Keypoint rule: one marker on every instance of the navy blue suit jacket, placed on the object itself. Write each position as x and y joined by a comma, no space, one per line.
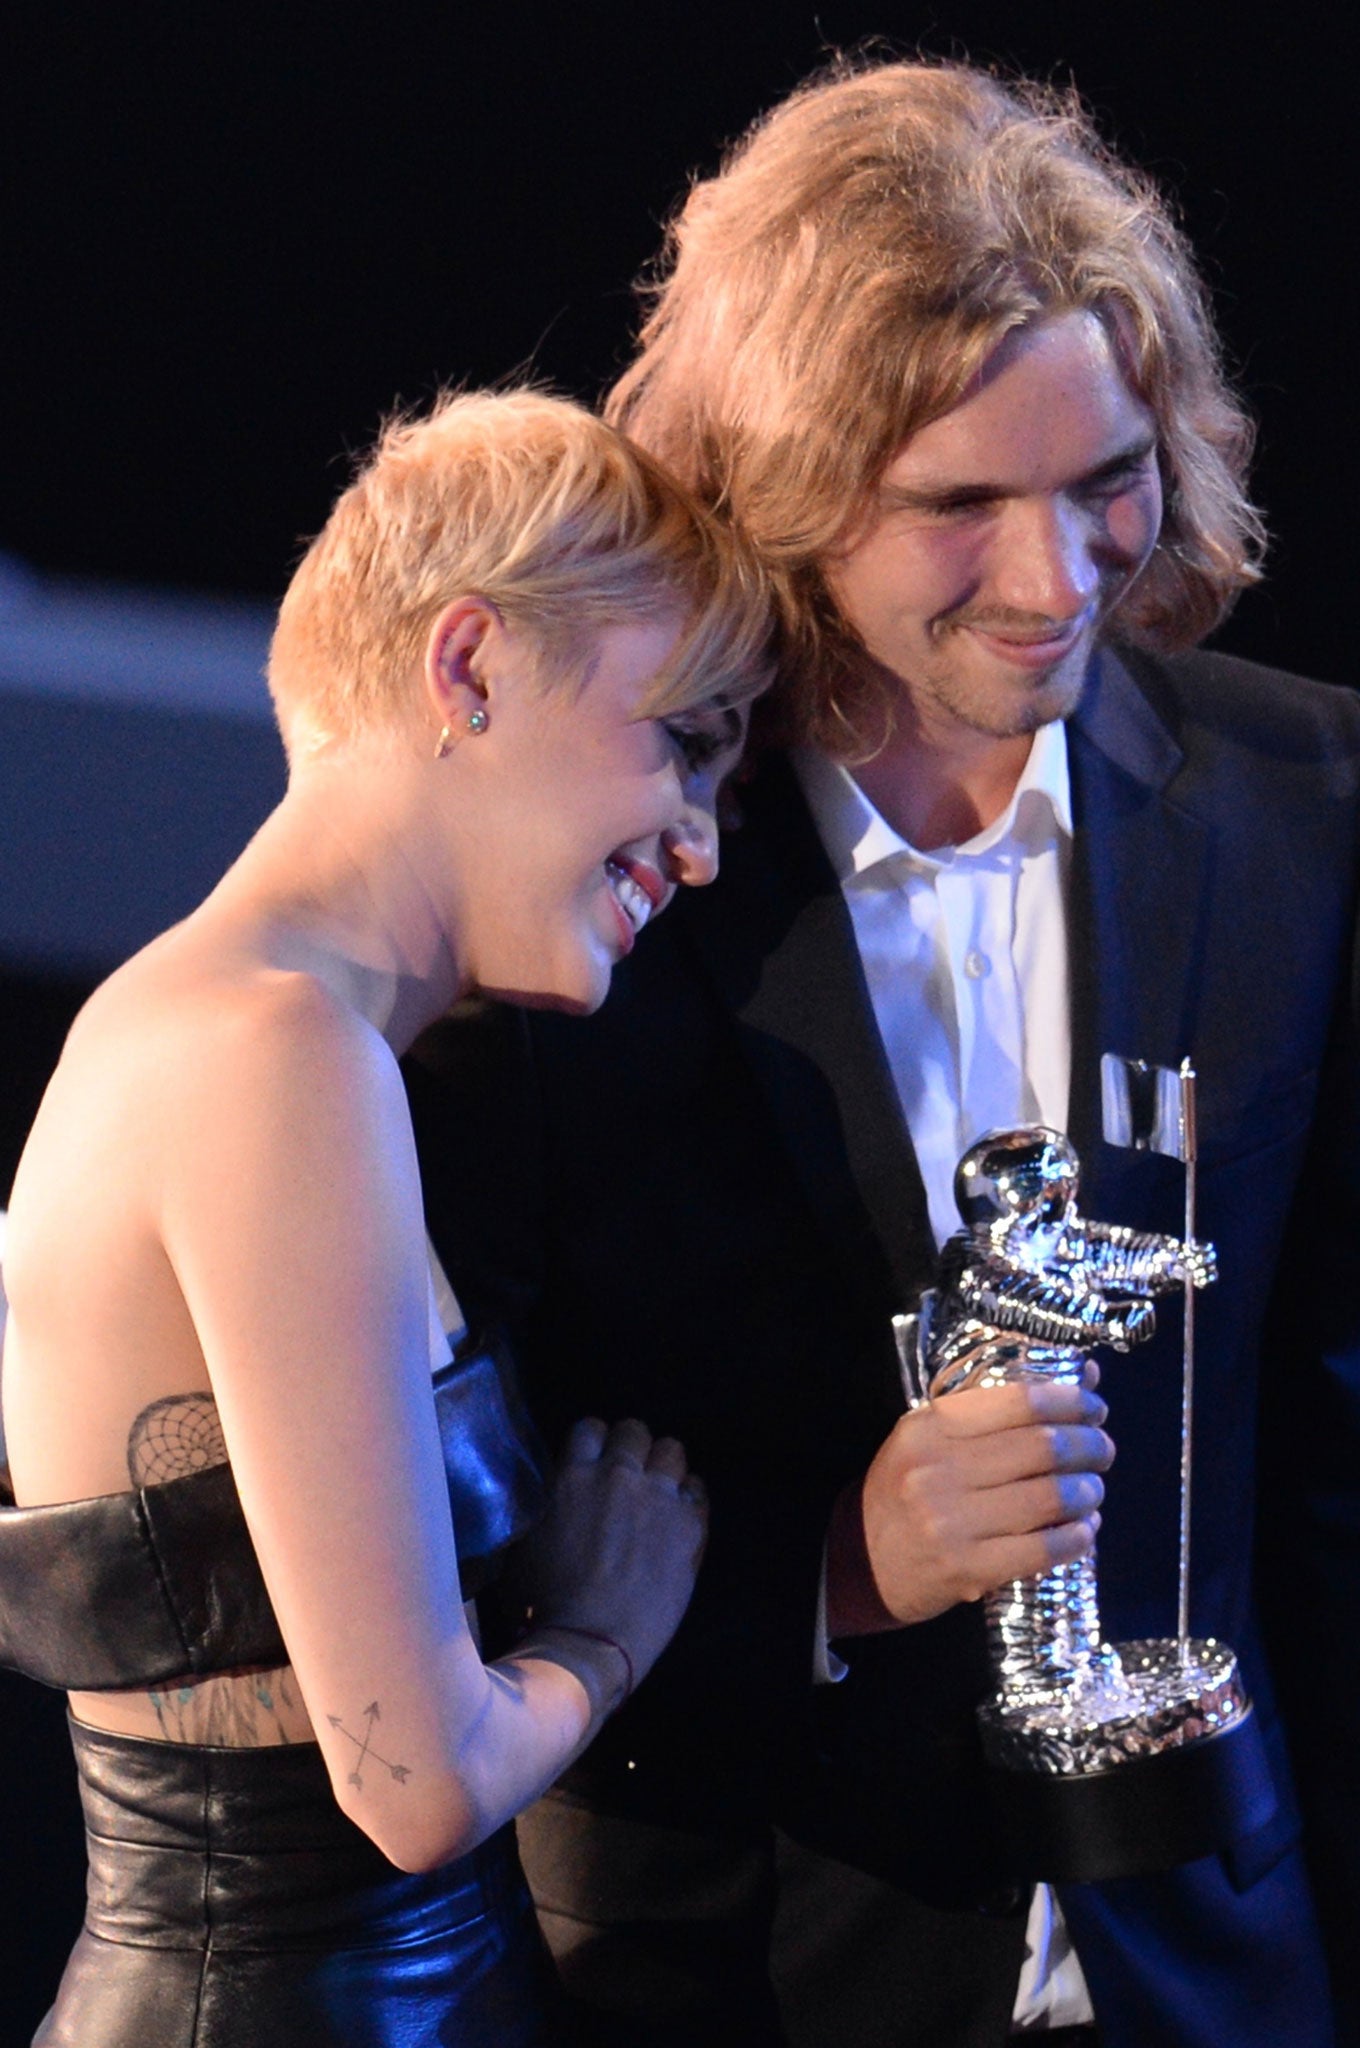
702,1206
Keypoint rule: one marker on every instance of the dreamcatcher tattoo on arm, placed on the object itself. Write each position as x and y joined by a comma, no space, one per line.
174,1437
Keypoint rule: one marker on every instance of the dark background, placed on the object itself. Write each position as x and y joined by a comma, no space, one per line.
231,237
234,235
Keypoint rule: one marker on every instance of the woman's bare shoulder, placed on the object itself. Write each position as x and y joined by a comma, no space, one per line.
191,1071
223,1160
189,1015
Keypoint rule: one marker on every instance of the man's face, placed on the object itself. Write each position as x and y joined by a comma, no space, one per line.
1004,533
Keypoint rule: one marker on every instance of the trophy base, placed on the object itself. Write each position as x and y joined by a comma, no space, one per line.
1120,1780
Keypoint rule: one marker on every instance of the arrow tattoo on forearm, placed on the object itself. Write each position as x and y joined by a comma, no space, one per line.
364,1745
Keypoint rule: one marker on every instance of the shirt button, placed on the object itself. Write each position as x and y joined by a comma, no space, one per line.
976,965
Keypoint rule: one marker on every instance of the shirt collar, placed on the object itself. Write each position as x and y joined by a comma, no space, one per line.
857,837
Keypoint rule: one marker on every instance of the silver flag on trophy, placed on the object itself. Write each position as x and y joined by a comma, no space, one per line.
1146,1108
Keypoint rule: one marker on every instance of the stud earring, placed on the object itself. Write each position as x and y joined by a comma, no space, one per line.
478,720
443,746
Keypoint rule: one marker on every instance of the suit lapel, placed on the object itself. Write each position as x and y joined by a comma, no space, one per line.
776,938
1138,889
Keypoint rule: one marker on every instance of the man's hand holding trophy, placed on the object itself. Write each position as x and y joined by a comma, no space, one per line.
1107,1760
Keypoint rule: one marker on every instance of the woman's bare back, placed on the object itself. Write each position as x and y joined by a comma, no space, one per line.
102,1332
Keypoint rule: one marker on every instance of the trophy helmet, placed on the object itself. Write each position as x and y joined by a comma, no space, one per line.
1030,1173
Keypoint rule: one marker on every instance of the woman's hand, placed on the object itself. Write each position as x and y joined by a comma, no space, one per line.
619,1548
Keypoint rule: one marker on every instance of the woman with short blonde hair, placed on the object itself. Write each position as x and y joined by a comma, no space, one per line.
511,673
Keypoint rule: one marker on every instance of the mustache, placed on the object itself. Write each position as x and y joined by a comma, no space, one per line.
1015,624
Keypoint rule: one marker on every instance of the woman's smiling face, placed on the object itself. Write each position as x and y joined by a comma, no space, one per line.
592,814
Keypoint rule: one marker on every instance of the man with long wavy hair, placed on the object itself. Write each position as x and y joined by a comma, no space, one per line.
948,364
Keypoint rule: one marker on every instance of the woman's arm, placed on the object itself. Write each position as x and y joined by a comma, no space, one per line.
292,1218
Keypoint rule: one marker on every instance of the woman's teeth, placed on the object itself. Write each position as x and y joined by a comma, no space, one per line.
633,899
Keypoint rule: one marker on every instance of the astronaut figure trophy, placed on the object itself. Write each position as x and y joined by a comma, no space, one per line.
1106,1761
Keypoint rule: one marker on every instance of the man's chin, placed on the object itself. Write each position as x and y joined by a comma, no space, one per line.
997,706
1044,701
1050,708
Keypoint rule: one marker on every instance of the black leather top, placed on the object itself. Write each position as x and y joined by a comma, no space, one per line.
138,1588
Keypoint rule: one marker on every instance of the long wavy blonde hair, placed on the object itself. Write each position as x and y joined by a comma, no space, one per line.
841,280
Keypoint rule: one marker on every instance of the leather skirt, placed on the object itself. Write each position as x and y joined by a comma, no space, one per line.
233,1905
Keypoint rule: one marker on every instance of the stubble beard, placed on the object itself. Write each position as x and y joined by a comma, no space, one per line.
999,709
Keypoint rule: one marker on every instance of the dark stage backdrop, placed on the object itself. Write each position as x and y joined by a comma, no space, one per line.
233,235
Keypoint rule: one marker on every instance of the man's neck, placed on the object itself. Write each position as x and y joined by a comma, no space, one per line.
934,796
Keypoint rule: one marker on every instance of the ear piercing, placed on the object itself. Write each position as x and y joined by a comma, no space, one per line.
478,721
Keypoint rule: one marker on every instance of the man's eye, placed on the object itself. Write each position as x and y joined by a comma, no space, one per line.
1112,486
965,506
1112,483
940,506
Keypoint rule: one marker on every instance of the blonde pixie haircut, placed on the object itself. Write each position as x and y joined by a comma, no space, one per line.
839,283
531,503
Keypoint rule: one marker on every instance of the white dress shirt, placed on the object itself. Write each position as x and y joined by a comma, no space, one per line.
964,951
965,954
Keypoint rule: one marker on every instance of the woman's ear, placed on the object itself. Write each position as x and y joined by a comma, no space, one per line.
454,685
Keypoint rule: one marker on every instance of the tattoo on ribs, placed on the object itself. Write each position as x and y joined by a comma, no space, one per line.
234,1710
174,1437
364,1744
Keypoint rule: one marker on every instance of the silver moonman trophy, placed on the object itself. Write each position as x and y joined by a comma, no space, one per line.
1106,1760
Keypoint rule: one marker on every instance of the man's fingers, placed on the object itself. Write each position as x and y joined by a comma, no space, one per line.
1033,1504
1079,1448
989,1411
1004,1558
1027,1453
999,1458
